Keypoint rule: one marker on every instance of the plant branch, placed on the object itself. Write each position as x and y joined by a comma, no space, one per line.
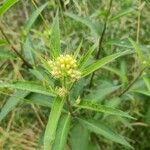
101,40
14,49
132,82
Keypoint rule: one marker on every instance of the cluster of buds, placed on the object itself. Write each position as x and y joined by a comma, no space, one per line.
65,66
61,91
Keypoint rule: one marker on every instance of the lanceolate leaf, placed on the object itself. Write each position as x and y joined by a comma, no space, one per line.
28,86
101,108
33,17
12,102
86,56
52,124
6,5
102,129
55,37
100,63
79,137
62,132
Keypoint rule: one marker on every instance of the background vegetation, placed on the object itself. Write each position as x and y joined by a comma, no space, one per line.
111,26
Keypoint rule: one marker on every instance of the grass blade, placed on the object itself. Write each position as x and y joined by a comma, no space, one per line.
7,4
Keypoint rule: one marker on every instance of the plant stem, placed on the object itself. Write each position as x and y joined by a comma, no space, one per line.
132,82
101,41
14,49
70,107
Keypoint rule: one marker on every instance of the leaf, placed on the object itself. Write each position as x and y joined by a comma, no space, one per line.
33,18
85,57
52,124
6,55
137,49
93,26
39,99
55,37
62,132
27,86
77,51
28,51
79,137
102,108
102,129
12,102
121,14
147,82
3,42
6,5
100,63
101,92
141,91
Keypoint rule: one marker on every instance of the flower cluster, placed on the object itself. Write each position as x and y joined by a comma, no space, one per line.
65,66
61,91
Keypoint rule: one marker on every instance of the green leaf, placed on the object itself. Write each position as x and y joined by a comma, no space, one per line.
102,129
147,82
52,124
121,14
3,42
137,49
100,63
12,102
33,18
102,108
79,137
85,57
39,99
28,51
93,26
6,55
55,37
27,86
62,132
141,91
6,5
101,92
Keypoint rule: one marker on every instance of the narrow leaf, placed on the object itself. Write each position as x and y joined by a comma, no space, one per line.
6,55
79,137
28,86
33,18
100,63
101,108
84,58
102,129
62,132
6,5
12,102
121,14
55,37
93,26
52,124
137,49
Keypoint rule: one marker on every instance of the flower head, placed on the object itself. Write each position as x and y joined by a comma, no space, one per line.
65,66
